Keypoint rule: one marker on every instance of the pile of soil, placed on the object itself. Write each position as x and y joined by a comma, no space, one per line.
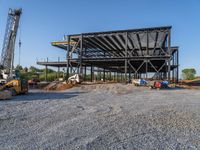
64,86
195,82
190,84
51,86
57,86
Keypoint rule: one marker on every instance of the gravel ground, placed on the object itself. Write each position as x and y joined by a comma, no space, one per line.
112,116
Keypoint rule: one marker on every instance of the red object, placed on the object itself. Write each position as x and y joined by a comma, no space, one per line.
157,85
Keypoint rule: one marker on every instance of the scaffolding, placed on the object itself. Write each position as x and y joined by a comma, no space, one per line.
136,53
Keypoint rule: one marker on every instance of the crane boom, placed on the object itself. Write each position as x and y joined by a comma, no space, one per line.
7,54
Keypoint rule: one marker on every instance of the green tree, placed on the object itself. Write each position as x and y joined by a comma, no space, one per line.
19,67
33,69
25,69
188,73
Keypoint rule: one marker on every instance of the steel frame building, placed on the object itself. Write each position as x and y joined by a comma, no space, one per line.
135,53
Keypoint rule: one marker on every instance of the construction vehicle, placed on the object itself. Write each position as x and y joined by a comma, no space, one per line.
139,82
77,78
16,86
160,85
9,80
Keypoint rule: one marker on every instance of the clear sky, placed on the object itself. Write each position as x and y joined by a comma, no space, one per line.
44,21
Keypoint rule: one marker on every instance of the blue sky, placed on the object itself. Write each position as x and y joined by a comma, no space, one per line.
44,21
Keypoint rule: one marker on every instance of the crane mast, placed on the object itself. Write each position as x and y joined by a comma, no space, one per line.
7,54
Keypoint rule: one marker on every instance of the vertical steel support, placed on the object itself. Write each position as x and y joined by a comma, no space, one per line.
169,67
85,73
104,76
46,72
81,54
117,77
147,48
169,42
173,71
91,74
58,72
126,47
146,69
68,51
169,52
129,75
177,59
71,68
100,75
165,73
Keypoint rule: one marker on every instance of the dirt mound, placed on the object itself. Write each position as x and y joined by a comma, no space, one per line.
63,86
190,84
51,86
58,86
195,82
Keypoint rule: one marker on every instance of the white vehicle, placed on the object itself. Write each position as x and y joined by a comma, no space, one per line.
139,82
77,78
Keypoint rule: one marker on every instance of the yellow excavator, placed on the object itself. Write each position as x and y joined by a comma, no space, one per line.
9,80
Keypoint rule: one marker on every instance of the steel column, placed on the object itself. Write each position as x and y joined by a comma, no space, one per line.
126,47
81,54
85,73
146,69
58,72
68,51
104,76
147,48
177,74
46,72
91,74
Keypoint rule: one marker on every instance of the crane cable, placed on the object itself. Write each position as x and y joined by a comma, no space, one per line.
20,43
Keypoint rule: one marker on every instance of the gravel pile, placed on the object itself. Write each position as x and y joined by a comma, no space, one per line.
102,117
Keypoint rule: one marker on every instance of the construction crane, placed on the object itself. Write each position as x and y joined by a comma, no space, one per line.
8,80
7,55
